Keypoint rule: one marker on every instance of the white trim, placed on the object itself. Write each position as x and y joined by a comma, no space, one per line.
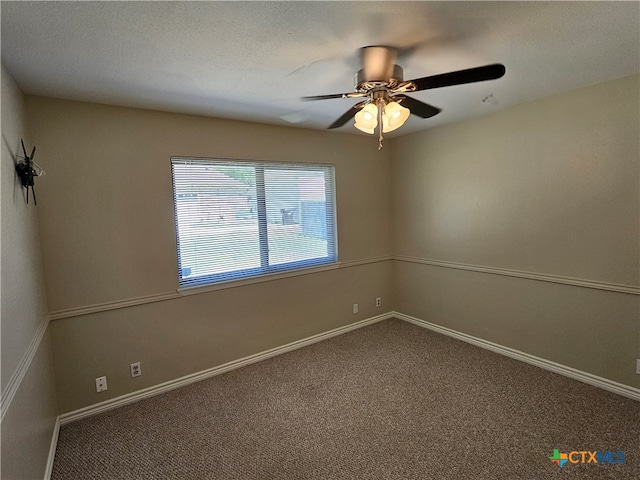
103,307
130,302
211,372
22,368
198,289
161,297
603,383
366,261
52,449
195,290
543,277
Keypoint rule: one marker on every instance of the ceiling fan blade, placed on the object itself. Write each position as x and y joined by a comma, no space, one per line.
348,115
336,95
325,97
471,75
421,109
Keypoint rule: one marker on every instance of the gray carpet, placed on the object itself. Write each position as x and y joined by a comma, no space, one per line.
388,401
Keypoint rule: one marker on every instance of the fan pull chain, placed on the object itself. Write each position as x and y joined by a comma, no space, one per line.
380,108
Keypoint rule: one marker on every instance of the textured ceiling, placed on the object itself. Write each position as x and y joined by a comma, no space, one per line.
254,60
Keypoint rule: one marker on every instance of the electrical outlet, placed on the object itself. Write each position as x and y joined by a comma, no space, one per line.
355,308
379,302
638,366
101,384
136,371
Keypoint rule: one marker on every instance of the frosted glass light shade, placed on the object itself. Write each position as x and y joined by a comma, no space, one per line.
367,118
394,116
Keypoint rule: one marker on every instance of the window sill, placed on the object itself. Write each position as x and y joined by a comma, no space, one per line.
195,290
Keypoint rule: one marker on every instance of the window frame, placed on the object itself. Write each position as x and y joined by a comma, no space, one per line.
265,271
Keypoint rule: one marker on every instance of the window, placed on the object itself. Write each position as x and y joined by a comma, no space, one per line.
243,219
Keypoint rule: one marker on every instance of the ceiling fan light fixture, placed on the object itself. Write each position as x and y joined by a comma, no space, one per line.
366,119
394,116
382,82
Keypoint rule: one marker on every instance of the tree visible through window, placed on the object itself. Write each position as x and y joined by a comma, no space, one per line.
242,219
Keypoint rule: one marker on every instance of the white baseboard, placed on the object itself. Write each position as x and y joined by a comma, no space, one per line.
211,372
605,384
584,377
52,449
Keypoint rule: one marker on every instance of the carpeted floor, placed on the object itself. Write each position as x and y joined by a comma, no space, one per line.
388,401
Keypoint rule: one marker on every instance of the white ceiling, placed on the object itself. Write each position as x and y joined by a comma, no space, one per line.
254,60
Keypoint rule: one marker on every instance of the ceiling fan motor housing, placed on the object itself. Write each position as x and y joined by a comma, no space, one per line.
365,81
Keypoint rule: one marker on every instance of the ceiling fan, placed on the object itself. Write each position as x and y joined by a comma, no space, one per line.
380,81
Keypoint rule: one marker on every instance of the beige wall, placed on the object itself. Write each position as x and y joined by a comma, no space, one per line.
27,424
106,213
184,336
550,187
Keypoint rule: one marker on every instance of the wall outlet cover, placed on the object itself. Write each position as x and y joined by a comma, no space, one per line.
136,371
101,384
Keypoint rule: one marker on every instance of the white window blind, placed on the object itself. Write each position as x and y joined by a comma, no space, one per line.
243,219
